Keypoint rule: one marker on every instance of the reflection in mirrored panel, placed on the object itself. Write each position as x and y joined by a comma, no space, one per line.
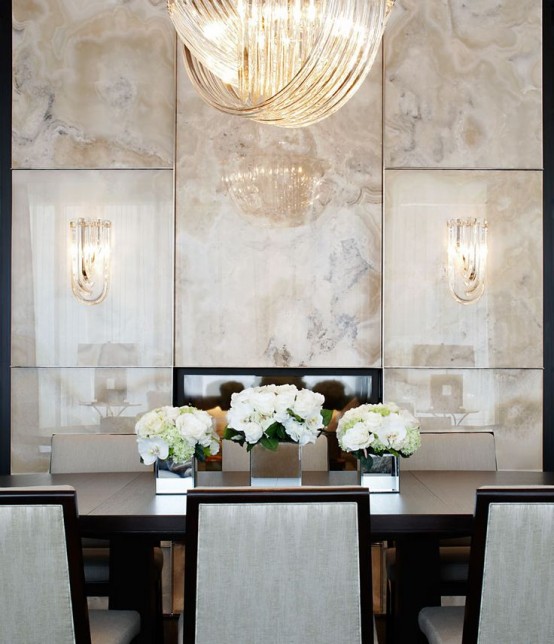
50,328
78,400
505,401
501,328
212,390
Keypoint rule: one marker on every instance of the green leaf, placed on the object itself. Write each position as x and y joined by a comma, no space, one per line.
295,416
277,431
200,452
326,414
232,434
269,443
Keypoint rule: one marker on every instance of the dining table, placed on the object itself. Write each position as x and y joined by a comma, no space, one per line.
430,505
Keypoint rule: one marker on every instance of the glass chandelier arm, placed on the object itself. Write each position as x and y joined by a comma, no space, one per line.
299,60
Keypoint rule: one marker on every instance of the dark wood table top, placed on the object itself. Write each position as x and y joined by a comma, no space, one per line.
429,502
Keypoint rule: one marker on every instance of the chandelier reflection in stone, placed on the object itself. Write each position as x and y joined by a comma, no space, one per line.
90,259
284,62
467,258
277,190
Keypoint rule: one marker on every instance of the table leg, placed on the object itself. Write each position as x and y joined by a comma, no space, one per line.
417,585
135,584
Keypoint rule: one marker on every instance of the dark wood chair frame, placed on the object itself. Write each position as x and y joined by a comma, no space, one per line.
357,495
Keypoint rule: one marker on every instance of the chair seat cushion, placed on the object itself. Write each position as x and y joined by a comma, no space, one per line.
113,626
442,624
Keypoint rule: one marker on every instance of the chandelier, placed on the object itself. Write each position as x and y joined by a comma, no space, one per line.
467,258
284,62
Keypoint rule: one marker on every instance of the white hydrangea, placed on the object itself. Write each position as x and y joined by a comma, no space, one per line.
256,409
377,429
176,433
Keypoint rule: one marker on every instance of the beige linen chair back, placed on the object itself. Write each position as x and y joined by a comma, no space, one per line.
75,453
451,450
286,565
235,458
511,575
42,591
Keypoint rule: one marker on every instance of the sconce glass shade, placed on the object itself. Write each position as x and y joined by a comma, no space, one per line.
278,190
467,259
284,62
90,259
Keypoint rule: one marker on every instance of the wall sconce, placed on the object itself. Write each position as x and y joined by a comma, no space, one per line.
90,259
467,258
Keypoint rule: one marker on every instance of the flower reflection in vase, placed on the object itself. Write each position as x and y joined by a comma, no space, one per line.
273,422
377,435
174,439
174,478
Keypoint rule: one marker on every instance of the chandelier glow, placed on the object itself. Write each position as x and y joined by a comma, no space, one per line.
277,190
285,62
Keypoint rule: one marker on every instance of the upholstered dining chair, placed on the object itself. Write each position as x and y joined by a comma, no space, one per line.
94,453
446,450
281,565
511,575
84,453
42,596
78,453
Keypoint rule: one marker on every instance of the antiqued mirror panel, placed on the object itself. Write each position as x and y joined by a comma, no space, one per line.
103,400
133,325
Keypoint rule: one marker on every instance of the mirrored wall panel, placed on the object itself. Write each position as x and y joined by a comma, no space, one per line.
102,400
505,401
53,322
425,324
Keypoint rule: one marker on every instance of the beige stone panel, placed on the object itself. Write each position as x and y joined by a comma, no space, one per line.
463,84
133,326
49,401
424,326
266,289
93,84
507,402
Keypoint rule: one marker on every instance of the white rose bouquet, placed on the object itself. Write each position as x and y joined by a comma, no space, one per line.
276,413
176,434
376,429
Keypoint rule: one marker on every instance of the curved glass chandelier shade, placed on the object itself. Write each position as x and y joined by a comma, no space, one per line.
277,190
90,259
467,259
284,62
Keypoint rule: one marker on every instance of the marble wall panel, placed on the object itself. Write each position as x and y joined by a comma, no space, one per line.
423,324
134,324
49,401
269,290
506,401
463,84
93,84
